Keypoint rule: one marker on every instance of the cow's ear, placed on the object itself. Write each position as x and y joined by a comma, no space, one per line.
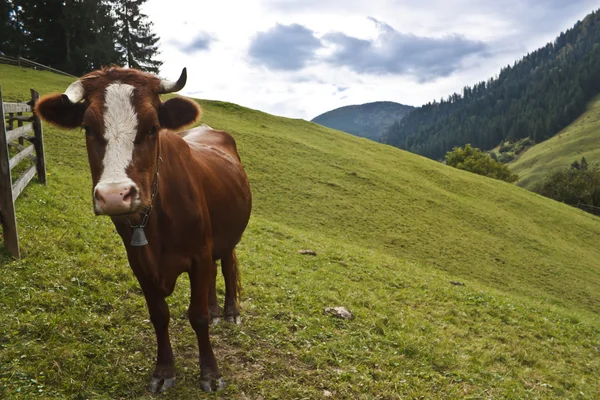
58,110
178,112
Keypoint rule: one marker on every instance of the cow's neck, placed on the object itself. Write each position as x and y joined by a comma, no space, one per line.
172,181
139,238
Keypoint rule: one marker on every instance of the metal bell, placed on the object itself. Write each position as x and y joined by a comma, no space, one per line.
139,237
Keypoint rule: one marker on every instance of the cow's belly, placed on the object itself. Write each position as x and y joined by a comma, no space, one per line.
228,197
228,226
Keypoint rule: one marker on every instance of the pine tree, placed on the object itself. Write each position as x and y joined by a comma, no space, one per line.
13,35
135,39
75,36
5,25
48,38
94,44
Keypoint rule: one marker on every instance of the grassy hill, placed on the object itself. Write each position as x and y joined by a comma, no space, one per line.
391,230
368,120
580,139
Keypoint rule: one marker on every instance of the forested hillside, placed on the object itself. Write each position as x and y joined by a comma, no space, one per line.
536,97
579,139
78,36
368,120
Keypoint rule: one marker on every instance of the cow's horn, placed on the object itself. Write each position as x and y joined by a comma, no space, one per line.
167,86
75,92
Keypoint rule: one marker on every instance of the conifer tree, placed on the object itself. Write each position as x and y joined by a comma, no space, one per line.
96,41
13,36
5,25
75,36
135,39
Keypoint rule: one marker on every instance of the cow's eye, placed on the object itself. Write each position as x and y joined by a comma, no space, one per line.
153,131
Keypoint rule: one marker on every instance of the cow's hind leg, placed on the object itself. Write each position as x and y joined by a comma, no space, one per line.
163,376
231,273
213,303
198,314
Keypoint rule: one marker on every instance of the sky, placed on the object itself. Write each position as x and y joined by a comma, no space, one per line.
300,58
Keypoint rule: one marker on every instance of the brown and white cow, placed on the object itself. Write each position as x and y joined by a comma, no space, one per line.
184,194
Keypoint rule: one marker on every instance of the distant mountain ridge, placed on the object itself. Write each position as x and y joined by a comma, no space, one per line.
368,120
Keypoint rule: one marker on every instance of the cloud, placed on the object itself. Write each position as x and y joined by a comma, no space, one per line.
284,47
311,5
398,53
509,29
201,42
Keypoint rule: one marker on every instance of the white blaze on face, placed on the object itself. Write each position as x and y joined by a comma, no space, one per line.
120,124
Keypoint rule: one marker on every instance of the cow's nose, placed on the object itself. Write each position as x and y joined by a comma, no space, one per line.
114,198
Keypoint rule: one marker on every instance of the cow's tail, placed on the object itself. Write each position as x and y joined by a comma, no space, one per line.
235,271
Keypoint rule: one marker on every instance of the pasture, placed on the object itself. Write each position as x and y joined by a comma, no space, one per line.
391,230
580,139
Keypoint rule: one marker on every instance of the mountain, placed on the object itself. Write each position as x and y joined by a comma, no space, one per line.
460,285
368,120
579,139
536,97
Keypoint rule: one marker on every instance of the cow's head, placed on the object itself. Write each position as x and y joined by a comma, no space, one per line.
122,116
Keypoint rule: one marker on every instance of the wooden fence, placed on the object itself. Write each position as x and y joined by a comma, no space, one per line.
590,209
23,62
16,138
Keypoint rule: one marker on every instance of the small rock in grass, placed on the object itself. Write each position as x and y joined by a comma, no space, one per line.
308,252
340,312
455,283
327,393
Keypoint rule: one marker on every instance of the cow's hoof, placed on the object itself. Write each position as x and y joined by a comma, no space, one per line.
161,385
234,319
212,385
215,314
215,321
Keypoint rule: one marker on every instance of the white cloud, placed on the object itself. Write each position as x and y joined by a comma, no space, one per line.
224,69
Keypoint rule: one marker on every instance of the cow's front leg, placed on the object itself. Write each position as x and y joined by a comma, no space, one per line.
163,377
200,281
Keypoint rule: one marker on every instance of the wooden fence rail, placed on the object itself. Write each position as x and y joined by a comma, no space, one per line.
591,209
9,192
23,62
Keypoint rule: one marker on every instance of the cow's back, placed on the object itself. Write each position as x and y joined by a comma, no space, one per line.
204,135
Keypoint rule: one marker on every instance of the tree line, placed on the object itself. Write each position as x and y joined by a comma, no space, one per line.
574,185
471,159
536,97
78,36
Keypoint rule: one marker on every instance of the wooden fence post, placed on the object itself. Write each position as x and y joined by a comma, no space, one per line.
39,139
7,205
20,123
10,123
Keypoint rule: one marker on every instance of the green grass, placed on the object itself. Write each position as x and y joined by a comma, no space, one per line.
391,230
580,139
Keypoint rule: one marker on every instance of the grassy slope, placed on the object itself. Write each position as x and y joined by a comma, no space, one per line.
73,321
580,139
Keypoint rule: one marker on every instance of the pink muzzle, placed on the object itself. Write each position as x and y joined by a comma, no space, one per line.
115,198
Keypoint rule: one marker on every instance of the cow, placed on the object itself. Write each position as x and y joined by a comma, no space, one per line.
179,200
